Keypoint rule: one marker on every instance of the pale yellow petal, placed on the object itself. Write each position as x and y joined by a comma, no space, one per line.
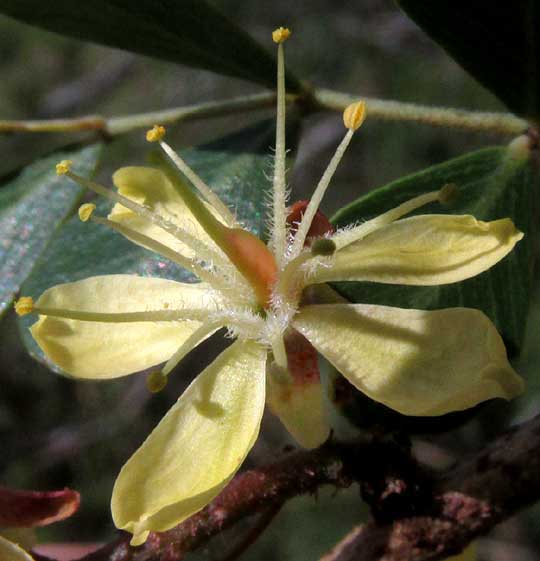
424,250
12,552
416,362
301,409
150,187
87,349
196,448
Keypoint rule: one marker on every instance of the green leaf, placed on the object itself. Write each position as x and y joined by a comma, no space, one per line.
497,42
31,207
236,169
492,183
191,32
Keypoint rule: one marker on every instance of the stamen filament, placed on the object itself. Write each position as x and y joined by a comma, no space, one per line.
279,352
193,243
279,222
123,317
346,237
200,185
290,281
161,249
195,339
307,218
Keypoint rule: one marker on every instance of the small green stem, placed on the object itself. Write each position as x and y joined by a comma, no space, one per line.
497,123
120,125
55,125
504,124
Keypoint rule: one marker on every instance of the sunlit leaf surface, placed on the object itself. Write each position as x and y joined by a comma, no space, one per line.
31,207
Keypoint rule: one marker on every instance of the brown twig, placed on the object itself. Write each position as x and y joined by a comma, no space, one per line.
418,517
467,501
255,491
253,533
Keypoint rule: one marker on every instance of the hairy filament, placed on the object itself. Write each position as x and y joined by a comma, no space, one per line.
200,185
206,275
290,283
123,317
185,237
343,238
195,339
279,352
307,218
279,221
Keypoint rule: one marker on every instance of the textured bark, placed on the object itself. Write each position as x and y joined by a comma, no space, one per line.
467,501
418,516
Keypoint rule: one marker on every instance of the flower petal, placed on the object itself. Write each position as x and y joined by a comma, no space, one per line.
297,397
12,552
25,509
196,448
301,409
93,349
416,362
150,187
424,250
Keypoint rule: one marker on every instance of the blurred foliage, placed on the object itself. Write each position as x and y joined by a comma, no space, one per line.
192,32
58,432
486,37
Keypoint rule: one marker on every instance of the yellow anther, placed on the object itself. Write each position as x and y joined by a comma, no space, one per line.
281,34
24,305
155,134
85,211
63,167
354,115
156,381
448,193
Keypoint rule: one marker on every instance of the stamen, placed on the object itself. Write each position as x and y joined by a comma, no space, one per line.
156,381
155,134
85,211
249,255
63,167
290,285
193,243
307,218
354,115
323,247
123,317
281,34
160,249
24,305
448,194
280,375
195,339
279,223
345,237
196,181
279,352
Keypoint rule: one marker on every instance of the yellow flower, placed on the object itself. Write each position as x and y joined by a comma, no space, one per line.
10,551
273,300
